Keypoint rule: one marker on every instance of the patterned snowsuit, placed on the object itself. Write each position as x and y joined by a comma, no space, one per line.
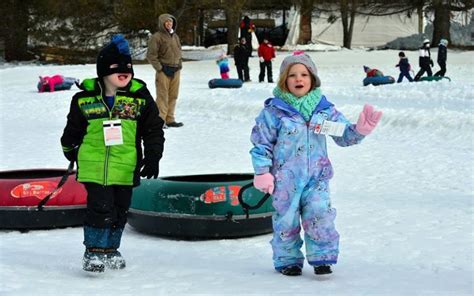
286,146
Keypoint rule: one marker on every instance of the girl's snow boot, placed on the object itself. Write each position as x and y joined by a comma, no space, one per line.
93,260
114,260
322,269
291,270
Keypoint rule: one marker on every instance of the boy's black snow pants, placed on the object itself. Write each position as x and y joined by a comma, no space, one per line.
107,206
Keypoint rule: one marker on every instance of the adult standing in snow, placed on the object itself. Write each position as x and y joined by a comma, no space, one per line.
106,124
164,54
266,54
425,60
291,163
241,58
442,57
246,29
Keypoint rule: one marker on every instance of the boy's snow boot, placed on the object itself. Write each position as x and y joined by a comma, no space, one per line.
291,270
95,240
322,269
114,260
93,260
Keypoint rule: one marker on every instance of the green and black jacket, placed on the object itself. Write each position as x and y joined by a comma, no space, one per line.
139,115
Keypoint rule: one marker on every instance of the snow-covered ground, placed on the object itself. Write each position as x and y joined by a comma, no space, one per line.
404,196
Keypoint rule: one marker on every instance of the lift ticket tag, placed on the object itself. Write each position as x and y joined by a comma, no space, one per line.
330,128
113,132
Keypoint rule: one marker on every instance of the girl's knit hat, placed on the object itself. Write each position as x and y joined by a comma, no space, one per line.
300,57
116,52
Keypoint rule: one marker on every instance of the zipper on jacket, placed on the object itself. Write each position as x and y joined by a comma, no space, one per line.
308,150
107,148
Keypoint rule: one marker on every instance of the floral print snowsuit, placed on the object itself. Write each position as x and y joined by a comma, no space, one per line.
287,146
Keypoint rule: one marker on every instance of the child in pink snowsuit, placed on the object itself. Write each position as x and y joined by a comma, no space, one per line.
50,81
291,163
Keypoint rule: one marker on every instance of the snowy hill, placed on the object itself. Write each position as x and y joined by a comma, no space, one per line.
404,196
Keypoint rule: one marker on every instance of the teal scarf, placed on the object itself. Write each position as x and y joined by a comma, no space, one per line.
305,104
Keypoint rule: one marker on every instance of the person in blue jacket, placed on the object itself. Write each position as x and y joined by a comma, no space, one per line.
291,162
405,67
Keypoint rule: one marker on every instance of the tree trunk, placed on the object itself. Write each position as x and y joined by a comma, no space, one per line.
441,23
305,22
15,30
232,10
348,18
419,10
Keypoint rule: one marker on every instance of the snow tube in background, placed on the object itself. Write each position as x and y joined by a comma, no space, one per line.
225,83
379,80
21,191
199,207
434,78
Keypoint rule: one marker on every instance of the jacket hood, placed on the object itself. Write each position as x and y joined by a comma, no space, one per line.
282,105
161,21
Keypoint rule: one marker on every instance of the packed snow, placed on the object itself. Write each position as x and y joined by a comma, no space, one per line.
404,195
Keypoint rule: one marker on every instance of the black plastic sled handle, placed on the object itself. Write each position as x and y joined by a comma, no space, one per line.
245,205
60,184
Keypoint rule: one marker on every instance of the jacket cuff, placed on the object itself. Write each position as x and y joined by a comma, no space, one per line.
67,149
262,170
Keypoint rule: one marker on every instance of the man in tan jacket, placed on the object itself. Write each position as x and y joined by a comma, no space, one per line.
164,54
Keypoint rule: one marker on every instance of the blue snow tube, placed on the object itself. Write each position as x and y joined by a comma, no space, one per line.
225,83
378,80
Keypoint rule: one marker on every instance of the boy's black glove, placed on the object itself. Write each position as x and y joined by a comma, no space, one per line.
71,155
431,63
150,167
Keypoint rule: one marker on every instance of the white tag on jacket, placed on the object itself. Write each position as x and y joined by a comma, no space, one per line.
113,132
330,128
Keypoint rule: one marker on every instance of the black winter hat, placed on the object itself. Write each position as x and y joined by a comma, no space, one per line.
116,52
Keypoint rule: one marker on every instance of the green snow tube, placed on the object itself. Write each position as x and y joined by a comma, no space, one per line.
433,78
199,207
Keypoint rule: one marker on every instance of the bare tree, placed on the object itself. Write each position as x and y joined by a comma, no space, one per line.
306,11
442,16
14,31
440,9
232,9
348,11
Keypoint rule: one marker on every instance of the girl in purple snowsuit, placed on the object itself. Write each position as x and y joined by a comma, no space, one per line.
291,163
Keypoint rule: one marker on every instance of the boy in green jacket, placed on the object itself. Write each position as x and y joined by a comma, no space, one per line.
106,125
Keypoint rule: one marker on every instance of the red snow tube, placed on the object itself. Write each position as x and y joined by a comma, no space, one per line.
21,191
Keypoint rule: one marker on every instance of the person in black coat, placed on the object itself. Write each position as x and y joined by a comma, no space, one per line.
241,58
442,57
404,67
246,29
425,60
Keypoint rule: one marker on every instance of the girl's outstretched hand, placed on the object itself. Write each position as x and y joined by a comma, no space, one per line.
264,182
368,120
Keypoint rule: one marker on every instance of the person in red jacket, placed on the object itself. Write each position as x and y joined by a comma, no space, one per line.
266,54
372,72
